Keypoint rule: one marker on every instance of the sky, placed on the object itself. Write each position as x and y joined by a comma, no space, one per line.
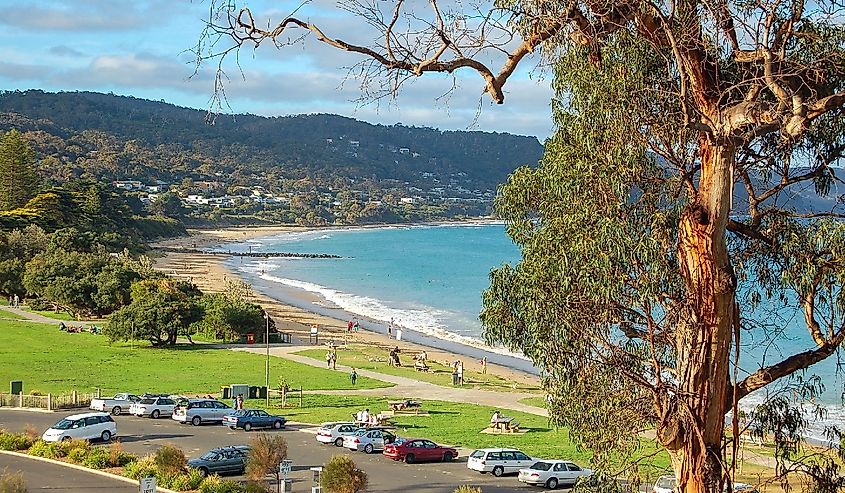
141,48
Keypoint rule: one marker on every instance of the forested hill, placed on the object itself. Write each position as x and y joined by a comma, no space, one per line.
306,145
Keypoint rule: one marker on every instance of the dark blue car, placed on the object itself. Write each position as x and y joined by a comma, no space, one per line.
253,418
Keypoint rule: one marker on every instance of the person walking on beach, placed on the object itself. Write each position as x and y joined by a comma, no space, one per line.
484,365
353,376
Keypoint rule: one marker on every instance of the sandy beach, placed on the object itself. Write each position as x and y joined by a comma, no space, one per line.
210,274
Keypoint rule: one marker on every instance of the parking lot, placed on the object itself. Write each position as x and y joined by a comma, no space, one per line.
143,436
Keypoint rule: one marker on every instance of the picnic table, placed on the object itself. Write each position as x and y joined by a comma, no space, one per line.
504,424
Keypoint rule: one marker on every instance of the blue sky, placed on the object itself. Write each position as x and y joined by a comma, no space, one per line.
138,48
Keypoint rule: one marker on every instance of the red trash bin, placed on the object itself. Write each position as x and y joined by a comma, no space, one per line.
250,338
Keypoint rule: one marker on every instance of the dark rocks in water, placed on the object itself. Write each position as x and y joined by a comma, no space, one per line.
245,254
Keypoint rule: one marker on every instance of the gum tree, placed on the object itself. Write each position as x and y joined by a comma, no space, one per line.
657,225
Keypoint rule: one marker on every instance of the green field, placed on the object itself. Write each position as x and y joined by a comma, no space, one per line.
450,423
48,360
534,401
375,359
8,314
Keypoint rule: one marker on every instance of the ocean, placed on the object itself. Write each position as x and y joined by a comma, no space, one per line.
428,279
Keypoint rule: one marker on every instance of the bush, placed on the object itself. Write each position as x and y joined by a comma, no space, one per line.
141,468
12,483
467,489
266,452
341,476
119,458
215,484
77,455
49,450
97,458
183,481
170,460
14,441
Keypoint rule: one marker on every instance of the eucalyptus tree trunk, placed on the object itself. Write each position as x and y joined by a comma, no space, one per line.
693,420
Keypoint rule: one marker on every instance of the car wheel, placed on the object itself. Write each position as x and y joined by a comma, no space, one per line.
368,448
196,421
247,426
277,425
409,459
447,457
106,436
64,439
338,442
155,414
551,483
498,471
233,427
203,471
115,410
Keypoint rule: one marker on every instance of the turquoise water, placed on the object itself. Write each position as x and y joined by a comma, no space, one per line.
429,279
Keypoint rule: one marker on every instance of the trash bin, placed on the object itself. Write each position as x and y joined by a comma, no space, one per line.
225,393
250,338
16,386
253,392
454,378
262,392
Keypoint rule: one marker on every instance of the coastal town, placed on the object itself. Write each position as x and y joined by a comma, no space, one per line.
425,247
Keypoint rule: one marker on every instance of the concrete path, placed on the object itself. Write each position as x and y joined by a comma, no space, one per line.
409,388
37,317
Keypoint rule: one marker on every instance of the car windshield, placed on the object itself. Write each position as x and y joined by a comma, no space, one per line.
542,466
148,401
64,424
477,454
665,483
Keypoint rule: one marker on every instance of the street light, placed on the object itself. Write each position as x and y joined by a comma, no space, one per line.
267,362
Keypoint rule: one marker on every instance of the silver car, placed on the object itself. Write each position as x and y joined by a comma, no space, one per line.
153,407
199,411
368,440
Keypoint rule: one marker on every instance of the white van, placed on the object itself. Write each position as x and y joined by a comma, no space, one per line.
199,411
88,426
498,461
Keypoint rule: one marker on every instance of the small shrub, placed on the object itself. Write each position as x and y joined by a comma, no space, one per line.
195,478
12,483
119,458
467,489
171,460
188,481
211,484
253,487
36,392
215,484
341,476
141,468
77,455
97,458
266,452
32,433
49,450
69,446
14,441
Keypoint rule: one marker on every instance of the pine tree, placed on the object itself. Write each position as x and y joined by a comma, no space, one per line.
18,177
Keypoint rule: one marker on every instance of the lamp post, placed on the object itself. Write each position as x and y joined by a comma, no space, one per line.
267,362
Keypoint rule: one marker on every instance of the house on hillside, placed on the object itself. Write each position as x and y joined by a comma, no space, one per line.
128,185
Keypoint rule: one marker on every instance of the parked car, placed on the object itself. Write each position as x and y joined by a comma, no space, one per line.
368,439
742,488
665,484
418,450
334,432
115,405
87,426
223,460
153,407
253,418
498,461
199,411
553,473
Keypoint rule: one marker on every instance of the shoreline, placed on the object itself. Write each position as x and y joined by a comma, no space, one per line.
299,310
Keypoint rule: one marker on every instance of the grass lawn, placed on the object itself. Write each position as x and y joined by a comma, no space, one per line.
48,360
53,314
375,359
451,423
534,401
8,314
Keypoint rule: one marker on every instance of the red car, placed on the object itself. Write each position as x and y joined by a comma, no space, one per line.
418,450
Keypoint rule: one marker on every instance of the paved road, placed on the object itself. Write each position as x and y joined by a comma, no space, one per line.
41,476
144,435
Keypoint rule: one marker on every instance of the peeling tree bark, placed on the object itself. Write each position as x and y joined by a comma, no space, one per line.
692,431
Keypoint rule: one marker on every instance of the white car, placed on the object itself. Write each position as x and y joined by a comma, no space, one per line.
498,461
88,426
199,411
153,407
553,473
334,432
369,440
664,484
115,405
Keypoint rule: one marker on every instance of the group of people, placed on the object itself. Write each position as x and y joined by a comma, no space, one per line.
331,358
70,329
14,301
238,402
393,357
353,326
364,418
458,372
